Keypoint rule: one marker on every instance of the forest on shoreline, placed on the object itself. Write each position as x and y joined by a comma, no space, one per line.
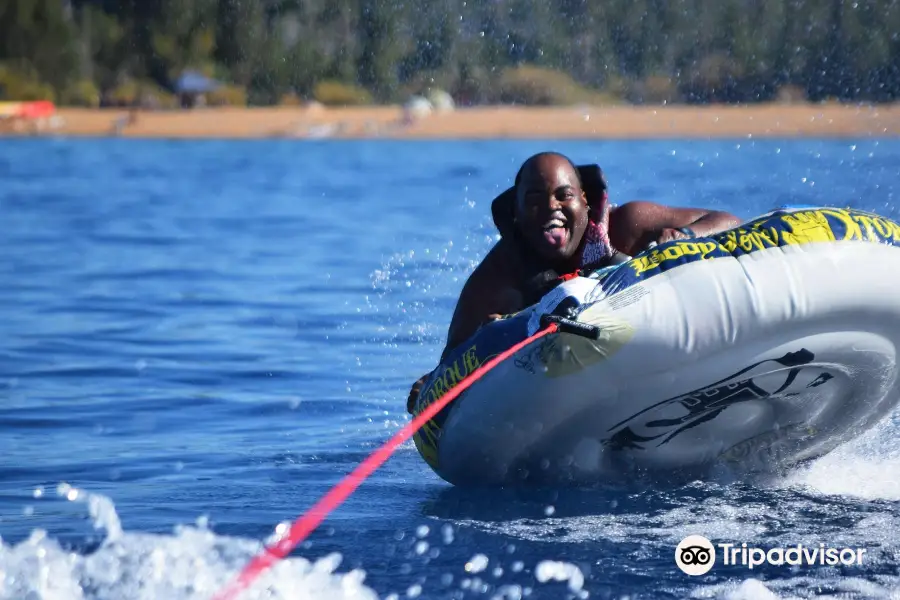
531,52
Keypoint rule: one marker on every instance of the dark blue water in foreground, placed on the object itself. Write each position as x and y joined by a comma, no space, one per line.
202,337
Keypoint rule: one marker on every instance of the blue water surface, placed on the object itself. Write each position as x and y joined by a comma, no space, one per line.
203,337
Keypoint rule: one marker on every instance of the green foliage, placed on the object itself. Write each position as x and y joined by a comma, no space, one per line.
290,99
39,34
380,48
142,93
105,46
655,89
239,33
535,86
268,77
228,95
81,93
335,93
23,85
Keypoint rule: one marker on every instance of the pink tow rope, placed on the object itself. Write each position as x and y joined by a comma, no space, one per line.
312,518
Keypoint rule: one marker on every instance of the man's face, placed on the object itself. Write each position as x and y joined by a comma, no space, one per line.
551,208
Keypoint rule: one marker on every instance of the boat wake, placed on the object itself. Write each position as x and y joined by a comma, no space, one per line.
192,563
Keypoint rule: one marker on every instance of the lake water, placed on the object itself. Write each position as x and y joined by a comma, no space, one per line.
199,338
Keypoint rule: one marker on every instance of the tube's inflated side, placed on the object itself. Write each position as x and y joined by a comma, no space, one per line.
756,348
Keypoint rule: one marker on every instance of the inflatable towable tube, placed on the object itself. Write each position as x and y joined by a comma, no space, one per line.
756,348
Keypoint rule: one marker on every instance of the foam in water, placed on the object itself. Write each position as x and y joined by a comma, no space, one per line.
842,500
796,587
868,467
193,563
551,570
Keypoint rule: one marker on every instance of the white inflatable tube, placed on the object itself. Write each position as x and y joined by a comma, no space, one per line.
754,349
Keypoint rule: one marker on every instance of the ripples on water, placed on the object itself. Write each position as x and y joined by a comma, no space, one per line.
200,338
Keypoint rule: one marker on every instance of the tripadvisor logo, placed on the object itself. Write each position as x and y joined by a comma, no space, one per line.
696,555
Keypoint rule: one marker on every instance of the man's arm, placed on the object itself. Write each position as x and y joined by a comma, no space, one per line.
702,222
488,293
634,225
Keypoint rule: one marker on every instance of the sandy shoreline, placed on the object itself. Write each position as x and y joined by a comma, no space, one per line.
614,122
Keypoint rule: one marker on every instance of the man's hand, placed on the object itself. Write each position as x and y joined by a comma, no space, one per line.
414,392
669,234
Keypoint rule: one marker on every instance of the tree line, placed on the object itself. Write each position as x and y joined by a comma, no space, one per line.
481,51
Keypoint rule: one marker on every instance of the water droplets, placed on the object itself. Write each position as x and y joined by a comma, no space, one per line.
447,534
477,564
67,491
510,592
550,570
281,530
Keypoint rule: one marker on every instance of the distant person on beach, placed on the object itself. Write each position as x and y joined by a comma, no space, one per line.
556,220
129,120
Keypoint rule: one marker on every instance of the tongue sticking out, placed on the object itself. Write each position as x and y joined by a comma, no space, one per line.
556,236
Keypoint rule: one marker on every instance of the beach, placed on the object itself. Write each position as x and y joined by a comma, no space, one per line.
829,120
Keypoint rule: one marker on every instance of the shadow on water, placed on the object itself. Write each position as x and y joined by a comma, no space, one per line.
499,504
763,509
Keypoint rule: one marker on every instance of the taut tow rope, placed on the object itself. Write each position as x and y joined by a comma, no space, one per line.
313,517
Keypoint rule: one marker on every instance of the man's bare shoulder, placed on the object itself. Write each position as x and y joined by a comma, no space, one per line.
492,288
631,225
639,214
499,266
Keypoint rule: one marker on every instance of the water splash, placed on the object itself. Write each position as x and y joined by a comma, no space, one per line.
868,467
102,510
190,564
193,562
551,570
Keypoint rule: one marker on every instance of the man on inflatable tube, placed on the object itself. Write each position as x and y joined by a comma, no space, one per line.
557,220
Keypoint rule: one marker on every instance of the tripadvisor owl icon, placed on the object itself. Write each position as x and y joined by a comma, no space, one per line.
695,555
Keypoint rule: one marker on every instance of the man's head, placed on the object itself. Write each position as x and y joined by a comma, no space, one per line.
551,208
